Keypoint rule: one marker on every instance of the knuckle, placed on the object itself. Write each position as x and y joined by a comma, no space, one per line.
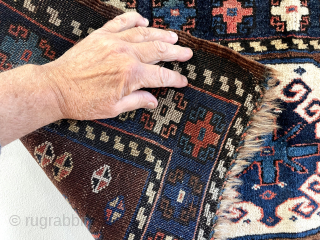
160,46
143,31
121,19
132,68
122,48
107,28
163,75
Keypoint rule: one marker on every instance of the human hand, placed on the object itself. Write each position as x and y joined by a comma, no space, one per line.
100,76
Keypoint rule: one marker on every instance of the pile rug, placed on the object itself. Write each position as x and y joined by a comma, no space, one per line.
281,187
148,174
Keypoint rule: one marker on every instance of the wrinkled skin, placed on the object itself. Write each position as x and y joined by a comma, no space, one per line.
100,76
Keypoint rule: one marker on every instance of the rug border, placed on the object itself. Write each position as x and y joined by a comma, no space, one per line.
262,121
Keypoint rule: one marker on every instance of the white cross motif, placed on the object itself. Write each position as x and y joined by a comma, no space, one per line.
291,12
170,115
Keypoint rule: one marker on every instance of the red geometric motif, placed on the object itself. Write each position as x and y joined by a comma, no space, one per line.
189,25
277,23
44,154
191,3
275,2
26,55
268,195
232,14
304,3
209,136
62,167
188,213
237,213
18,31
49,53
159,23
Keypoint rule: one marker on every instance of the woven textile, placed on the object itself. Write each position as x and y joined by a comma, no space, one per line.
146,174
280,191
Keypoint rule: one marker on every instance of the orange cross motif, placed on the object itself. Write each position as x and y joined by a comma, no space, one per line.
232,14
202,134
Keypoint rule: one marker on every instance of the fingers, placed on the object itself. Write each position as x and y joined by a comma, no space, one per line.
144,34
156,51
154,76
137,99
125,21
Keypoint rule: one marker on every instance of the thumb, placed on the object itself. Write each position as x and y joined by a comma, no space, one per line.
137,99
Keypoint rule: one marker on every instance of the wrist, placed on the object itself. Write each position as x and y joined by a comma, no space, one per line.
27,102
49,92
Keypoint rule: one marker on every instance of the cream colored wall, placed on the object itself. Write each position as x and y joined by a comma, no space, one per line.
27,194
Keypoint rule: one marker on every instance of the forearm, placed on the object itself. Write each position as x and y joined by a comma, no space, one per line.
100,77
26,102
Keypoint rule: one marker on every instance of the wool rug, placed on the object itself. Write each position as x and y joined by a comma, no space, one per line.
147,174
280,191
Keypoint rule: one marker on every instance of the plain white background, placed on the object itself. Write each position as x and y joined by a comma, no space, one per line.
26,194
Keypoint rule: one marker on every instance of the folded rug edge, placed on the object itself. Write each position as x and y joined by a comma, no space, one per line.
262,122
263,119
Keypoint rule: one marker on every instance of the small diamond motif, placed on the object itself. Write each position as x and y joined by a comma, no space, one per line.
101,178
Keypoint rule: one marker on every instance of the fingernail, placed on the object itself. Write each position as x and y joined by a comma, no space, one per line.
150,105
173,34
147,21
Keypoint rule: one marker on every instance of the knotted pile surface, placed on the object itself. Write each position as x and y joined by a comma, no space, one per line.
280,192
159,174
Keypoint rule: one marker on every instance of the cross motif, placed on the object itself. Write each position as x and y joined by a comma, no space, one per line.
232,13
201,134
165,112
291,12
